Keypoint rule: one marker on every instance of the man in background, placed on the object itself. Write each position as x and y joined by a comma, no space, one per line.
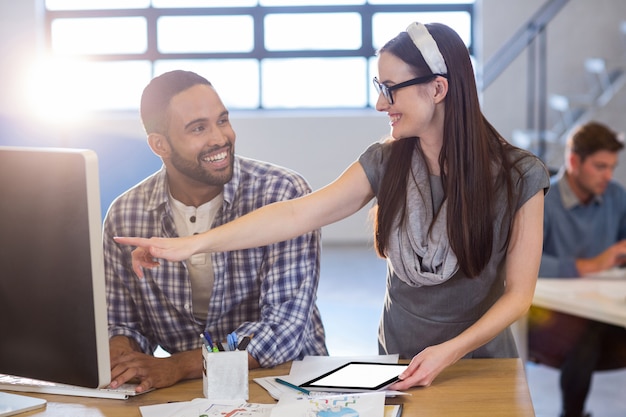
584,233
265,293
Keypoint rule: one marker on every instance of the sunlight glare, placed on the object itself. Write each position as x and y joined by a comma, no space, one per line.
55,90
68,90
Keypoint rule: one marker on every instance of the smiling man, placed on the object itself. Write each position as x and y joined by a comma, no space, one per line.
584,233
268,292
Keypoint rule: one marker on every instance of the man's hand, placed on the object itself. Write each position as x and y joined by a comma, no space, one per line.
130,365
614,256
120,345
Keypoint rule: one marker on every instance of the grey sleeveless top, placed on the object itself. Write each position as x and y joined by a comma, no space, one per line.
414,318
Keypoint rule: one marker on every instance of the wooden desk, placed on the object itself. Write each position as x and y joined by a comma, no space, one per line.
593,298
471,387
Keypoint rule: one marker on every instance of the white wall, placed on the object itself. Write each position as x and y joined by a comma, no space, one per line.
582,29
320,145
19,43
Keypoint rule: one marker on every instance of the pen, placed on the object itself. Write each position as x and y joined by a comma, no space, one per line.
208,342
290,385
231,338
205,342
244,343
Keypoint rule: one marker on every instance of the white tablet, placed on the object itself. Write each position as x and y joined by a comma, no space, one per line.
357,377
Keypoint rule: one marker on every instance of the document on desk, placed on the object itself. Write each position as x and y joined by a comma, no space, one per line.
301,405
11,404
202,407
312,366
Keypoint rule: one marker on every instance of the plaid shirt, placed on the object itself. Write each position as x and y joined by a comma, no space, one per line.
268,291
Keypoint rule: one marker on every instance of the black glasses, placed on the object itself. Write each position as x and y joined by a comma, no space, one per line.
386,91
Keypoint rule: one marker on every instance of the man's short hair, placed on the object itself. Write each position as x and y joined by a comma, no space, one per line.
592,137
156,97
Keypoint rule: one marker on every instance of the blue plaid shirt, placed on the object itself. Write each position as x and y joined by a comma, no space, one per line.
268,291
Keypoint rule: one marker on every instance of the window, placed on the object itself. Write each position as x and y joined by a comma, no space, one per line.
259,54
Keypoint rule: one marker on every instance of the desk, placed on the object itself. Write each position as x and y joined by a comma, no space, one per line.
471,387
593,298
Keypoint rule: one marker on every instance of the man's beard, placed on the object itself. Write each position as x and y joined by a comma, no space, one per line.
196,172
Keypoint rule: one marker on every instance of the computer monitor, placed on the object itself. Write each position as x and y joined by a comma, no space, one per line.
53,318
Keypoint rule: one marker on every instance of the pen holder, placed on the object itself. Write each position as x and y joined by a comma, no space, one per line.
225,375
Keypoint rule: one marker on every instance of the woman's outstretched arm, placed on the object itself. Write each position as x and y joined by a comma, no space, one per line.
273,223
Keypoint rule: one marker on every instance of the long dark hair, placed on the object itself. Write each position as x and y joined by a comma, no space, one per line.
473,159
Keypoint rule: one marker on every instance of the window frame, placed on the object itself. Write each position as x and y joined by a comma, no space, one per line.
258,13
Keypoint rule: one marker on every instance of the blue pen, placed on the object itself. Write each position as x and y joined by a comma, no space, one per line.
290,385
208,342
213,346
205,342
231,338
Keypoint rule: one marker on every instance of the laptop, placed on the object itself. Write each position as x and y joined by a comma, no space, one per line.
53,315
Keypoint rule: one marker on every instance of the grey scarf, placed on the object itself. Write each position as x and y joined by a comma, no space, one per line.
416,256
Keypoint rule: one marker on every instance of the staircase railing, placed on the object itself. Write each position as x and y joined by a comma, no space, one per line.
531,36
571,110
519,41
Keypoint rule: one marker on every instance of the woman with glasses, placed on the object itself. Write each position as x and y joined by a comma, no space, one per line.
459,212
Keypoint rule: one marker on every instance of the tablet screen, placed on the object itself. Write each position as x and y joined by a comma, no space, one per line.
357,376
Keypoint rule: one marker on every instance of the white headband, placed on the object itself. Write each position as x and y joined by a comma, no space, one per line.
424,41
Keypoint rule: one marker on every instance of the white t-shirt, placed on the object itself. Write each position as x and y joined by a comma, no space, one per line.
191,220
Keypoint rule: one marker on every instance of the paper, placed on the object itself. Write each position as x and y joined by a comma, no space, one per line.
11,404
343,405
272,387
202,407
312,366
162,410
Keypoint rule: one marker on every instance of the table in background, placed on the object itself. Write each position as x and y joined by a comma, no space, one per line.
471,387
598,298
593,298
